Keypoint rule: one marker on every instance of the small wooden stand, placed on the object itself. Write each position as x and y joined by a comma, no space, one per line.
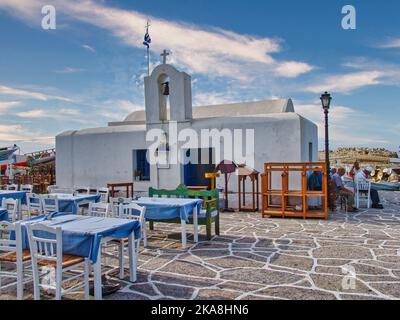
128,186
285,193
243,174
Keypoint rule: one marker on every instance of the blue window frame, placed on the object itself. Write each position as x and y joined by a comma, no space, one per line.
142,169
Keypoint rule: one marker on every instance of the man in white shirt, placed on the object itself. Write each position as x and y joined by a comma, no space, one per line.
363,176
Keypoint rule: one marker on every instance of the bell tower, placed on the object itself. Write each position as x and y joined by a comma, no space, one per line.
167,84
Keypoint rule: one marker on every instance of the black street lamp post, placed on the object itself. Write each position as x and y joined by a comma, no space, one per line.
326,103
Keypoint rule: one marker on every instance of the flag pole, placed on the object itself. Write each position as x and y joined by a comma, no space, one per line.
148,61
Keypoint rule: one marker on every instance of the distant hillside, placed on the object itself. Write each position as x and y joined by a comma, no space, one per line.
372,156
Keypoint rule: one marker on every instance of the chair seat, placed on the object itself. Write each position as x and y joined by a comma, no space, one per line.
67,261
119,240
12,256
203,213
35,213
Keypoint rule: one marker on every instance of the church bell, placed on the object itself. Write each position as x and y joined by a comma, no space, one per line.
166,88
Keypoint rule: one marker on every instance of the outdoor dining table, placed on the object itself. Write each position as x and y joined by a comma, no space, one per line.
160,209
70,203
3,214
84,236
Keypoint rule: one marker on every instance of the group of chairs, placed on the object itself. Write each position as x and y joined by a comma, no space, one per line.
15,187
45,252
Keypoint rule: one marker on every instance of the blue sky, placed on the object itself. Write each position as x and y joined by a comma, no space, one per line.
89,71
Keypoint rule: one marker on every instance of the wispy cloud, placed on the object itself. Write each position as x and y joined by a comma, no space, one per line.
7,105
393,43
27,94
200,49
61,114
89,48
344,130
15,133
69,70
345,83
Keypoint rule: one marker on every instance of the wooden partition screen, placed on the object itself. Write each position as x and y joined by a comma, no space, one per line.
281,199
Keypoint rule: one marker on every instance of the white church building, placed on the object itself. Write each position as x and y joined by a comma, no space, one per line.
120,151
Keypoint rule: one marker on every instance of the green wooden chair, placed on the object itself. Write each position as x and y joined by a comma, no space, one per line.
210,210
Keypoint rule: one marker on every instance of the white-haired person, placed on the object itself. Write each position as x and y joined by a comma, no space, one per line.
363,176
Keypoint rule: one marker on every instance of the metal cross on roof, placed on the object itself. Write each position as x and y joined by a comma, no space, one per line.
165,54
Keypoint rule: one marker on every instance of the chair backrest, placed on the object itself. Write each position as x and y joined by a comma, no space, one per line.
45,243
6,243
11,205
99,209
12,187
82,190
34,203
93,190
104,194
180,192
26,188
116,204
50,204
132,211
363,185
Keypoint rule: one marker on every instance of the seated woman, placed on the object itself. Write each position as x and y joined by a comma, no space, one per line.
363,176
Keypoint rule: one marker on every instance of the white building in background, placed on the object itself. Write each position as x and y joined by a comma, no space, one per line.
117,153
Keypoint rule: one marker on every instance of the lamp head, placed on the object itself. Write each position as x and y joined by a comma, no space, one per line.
326,100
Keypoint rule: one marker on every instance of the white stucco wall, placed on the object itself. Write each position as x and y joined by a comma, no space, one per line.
96,157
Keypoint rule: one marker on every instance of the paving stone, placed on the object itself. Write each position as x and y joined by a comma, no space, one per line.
297,293
292,262
268,277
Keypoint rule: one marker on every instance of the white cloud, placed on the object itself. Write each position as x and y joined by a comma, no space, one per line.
61,114
6,105
117,110
26,94
292,69
393,43
347,125
205,50
15,133
69,70
89,48
345,83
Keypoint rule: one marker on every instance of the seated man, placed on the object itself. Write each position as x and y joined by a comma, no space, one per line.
362,176
342,191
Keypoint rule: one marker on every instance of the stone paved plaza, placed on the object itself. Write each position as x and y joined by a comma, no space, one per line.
257,258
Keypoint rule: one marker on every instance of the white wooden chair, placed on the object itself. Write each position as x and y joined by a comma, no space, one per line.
12,187
131,211
27,188
104,194
363,192
35,205
116,204
47,253
99,209
11,205
12,253
50,204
